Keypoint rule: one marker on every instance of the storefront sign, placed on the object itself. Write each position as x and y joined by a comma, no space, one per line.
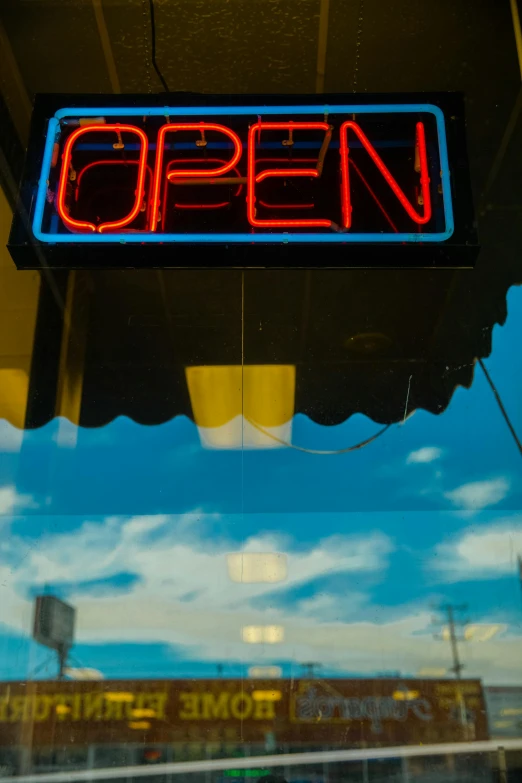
298,711
128,178
85,706
315,704
276,163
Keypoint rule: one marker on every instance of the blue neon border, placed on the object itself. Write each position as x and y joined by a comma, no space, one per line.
255,111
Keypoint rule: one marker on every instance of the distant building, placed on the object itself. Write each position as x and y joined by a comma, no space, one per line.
59,726
504,708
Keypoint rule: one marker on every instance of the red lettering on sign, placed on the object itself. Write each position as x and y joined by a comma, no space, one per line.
181,205
89,166
82,225
266,204
212,171
254,178
201,127
370,149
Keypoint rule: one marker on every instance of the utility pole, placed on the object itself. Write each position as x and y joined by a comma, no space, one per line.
309,669
449,610
63,654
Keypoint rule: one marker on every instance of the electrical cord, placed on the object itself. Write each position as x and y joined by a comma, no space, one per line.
501,405
319,452
48,661
153,46
384,429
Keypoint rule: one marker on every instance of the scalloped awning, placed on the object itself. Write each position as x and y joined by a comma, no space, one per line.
213,345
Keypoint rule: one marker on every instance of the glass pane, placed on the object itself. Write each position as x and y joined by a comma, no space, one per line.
262,523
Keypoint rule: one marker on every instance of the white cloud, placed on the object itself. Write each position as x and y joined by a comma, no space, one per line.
482,553
426,454
479,494
7,499
10,437
329,607
10,500
183,596
171,558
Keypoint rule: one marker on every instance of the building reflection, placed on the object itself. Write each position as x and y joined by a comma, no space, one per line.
244,355
82,725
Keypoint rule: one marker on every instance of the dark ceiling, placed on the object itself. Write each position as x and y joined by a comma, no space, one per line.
272,46
244,46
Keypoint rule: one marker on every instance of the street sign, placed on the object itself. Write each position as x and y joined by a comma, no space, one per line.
53,622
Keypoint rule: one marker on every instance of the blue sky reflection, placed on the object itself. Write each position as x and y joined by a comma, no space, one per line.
134,523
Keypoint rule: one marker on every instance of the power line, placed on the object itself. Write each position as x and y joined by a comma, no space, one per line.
49,660
309,669
153,46
449,610
501,405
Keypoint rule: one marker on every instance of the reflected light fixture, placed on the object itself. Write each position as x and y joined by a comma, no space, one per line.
265,672
249,406
262,634
123,696
139,725
267,695
83,673
432,672
482,632
143,713
479,632
255,567
405,695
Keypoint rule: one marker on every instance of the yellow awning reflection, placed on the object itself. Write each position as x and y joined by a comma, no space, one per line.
18,304
14,384
250,406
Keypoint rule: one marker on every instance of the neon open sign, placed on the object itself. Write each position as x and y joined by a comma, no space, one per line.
376,173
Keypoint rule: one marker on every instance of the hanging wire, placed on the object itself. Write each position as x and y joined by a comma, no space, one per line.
320,452
153,45
47,662
358,43
378,434
501,405
146,28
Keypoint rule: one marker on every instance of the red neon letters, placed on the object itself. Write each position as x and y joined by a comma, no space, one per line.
80,225
187,173
183,205
370,149
253,178
149,184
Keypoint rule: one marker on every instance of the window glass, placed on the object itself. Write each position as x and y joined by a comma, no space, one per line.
261,520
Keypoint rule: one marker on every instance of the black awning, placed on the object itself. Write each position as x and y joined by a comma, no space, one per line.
377,342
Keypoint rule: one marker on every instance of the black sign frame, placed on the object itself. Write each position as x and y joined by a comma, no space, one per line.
459,250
